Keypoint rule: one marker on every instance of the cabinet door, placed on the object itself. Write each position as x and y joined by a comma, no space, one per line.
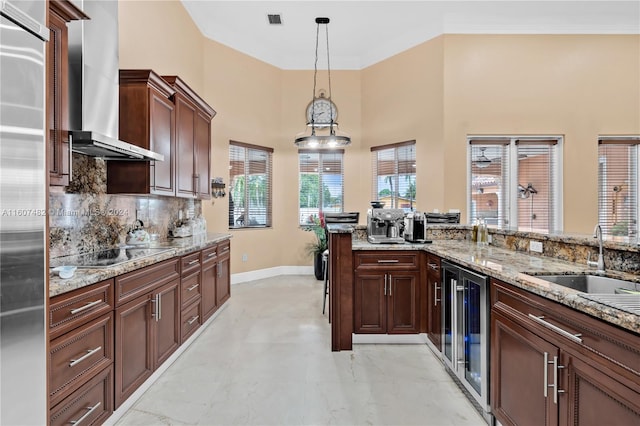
134,357
223,281
202,156
434,301
57,102
161,129
185,145
595,397
209,294
520,394
403,302
166,322
370,303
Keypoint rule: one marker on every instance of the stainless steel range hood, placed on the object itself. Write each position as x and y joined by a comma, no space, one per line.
93,85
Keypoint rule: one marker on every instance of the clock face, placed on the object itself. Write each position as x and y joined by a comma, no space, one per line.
321,112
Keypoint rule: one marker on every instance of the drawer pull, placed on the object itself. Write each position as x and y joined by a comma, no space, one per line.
193,262
388,261
224,249
85,356
87,414
211,254
433,266
193,319
85,307
193,287
540,320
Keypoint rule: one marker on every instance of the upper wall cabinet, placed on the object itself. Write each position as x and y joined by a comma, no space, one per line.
58,152
193,141
147,120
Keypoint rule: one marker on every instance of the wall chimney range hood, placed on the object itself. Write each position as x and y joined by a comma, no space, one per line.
93,85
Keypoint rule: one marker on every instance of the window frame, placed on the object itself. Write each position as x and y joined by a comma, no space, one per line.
511,193
320,153
245,223
375,190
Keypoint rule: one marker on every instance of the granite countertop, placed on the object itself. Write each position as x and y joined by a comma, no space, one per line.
175,247
513,267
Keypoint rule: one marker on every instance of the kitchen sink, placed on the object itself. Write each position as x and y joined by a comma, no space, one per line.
593,284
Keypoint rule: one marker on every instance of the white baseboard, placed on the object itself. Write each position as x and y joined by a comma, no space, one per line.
243,277
390,339
129,402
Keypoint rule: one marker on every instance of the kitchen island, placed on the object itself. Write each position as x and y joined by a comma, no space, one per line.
519,334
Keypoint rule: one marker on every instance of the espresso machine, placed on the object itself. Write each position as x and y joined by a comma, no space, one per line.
384,226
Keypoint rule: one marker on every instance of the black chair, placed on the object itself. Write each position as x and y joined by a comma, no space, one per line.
344,217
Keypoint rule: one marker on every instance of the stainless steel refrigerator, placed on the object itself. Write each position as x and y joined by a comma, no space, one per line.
23,372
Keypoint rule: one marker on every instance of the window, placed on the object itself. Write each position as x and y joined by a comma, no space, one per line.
618,185
515,182
250,168
394,175
321,183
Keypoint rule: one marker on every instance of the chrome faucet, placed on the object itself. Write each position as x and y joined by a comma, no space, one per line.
597,233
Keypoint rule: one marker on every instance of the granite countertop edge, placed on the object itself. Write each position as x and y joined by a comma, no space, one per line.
176,247
514,268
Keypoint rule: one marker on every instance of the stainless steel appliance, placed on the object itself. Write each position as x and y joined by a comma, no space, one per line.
451,217
93,85
384,226
23,332
465,330
414,227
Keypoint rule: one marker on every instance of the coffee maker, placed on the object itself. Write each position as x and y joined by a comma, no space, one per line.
384,226
414,227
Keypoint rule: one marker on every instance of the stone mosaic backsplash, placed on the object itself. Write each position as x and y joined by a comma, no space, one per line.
85,218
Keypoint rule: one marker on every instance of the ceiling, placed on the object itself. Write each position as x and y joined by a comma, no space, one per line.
363,32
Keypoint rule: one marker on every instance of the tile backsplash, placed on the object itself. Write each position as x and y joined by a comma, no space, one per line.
85,218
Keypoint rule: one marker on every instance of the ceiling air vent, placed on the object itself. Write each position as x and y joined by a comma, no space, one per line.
275,19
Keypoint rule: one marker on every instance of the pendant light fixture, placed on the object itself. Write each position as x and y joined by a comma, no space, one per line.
322,127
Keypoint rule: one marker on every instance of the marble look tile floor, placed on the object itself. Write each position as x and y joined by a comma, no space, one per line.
266,360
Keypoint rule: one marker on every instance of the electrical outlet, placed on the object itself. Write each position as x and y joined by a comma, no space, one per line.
245,257
535,246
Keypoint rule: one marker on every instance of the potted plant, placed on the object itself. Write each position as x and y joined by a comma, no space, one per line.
319,245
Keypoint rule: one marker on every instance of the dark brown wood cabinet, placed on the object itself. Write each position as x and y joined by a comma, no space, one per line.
551,365
147,325
386,293
191,284
81,354
223,273
434,302
209,281
193,141
146,120
58,150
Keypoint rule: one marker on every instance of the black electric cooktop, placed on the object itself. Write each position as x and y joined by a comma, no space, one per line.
106,258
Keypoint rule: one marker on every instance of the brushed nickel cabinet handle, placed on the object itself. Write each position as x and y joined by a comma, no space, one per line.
388,261
546,373
85,307
540,320
435,295
433,266
87,414
193,319
193,287
90,352
211,254
193,262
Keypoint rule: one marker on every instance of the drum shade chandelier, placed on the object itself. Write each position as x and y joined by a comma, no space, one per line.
322,127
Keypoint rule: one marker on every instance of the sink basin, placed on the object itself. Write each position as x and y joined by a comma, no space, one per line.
593,284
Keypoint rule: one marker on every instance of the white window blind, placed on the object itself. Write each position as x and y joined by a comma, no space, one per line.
321,184
489,193
250,169
618,186
515,182
394,175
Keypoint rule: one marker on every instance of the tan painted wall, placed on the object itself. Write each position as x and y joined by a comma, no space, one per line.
435,93
576,86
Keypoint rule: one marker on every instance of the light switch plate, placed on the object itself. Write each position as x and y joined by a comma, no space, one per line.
535,246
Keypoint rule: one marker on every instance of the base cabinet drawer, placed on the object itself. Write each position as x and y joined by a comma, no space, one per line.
91,404
191,320
78,355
